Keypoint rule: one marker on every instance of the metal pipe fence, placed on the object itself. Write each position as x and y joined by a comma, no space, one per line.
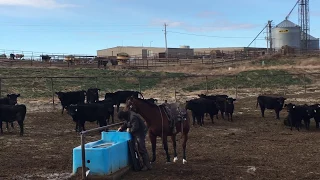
178,87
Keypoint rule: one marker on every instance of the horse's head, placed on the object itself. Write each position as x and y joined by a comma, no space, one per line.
130,104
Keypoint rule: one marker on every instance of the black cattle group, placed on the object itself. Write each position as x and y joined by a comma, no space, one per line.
85,106
94,109
296,113
211,105
10,111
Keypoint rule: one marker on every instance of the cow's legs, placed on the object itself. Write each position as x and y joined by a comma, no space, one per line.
211,117
222,114
193,117
1,131
262,110
21,127
118,105
277,114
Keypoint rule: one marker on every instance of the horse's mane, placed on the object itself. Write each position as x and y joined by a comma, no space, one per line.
146,101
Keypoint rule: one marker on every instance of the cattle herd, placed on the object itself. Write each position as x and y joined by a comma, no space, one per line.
85,106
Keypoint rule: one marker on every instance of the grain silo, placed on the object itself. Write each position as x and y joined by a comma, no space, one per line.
286,33
313,42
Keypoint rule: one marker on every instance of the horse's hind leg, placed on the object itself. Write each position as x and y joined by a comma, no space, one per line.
165,146
184,145
153,140
174,143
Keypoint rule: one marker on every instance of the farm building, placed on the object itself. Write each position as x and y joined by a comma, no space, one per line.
182,52
289,34
146,52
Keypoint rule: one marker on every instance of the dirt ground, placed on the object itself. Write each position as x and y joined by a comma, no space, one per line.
250,147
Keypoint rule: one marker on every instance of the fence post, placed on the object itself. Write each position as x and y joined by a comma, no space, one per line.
52,91
96,82
139,84
261,84
236,86
206,84
284,86
0,87
304,83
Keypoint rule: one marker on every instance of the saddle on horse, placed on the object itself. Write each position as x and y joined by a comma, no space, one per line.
175,114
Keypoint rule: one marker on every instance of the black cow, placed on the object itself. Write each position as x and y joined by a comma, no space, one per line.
152,100
92,95
314,112
267,102
201,106
81,113
220,101
11,99
11,113
109,109
229,107
122,96
68,98
297,113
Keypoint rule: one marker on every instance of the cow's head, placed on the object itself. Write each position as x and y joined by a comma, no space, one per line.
109,95
72,109
189,105
13,98
230,100
281,101
290,107
59,94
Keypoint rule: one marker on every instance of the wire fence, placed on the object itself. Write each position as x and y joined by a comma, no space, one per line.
63,60
171,88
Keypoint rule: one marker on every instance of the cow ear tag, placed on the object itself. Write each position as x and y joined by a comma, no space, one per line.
76,110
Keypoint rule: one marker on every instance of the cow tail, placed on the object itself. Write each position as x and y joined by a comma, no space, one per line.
23,112
257,102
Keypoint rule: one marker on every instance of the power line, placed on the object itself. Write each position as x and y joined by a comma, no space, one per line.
230,37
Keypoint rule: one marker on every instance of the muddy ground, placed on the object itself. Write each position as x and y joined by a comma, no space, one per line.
250,147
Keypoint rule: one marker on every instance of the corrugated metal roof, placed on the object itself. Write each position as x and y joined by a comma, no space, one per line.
286,24
310,37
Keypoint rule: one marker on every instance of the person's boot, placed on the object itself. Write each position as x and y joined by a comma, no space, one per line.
146,163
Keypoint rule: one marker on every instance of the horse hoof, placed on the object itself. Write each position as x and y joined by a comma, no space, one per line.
184,161
175,159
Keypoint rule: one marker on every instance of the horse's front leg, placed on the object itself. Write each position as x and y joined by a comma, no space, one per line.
174,143
165,146
153,140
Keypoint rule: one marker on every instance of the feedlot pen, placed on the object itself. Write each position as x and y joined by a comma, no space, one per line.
250,147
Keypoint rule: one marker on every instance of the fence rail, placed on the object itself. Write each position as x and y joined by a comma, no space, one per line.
179,87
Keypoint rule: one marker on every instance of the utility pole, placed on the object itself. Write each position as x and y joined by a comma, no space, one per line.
270,36
165,37
267,38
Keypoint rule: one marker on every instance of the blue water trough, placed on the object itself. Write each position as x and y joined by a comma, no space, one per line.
105,156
